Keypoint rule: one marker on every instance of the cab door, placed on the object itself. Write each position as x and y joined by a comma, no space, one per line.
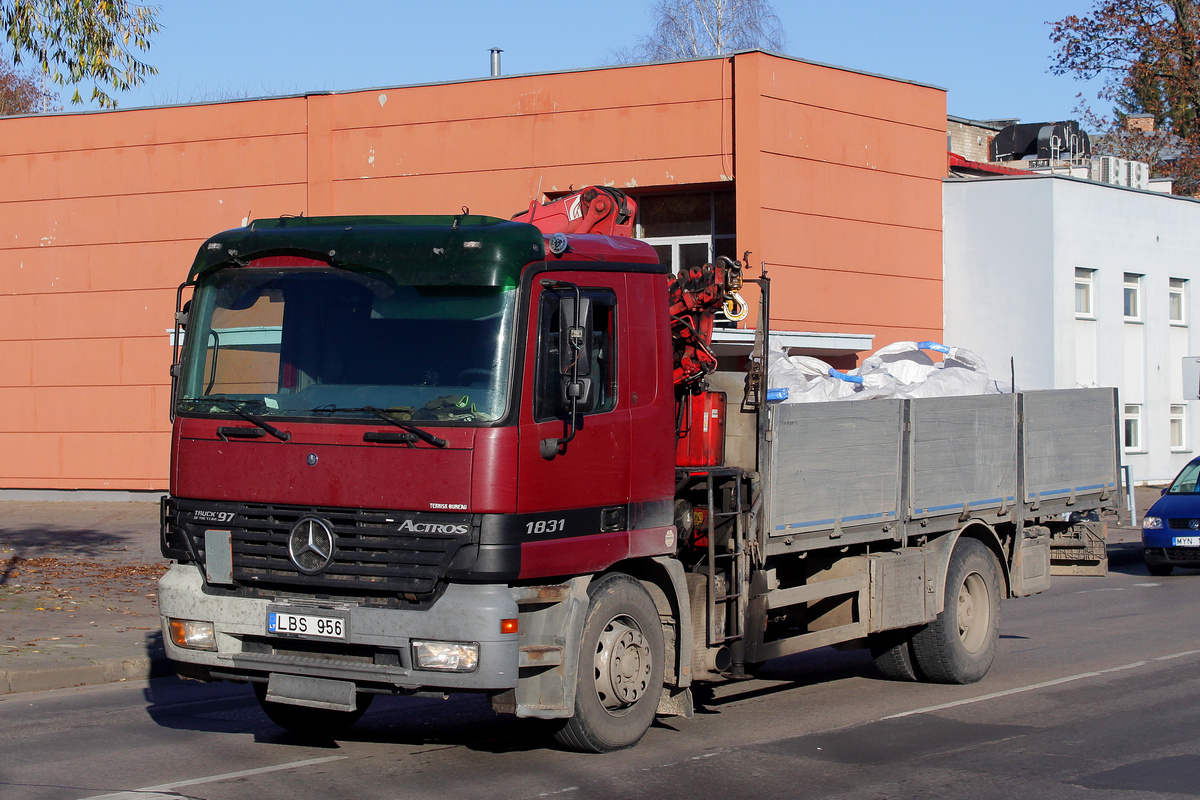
574,470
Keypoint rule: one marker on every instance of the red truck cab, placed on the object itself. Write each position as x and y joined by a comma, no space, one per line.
385,426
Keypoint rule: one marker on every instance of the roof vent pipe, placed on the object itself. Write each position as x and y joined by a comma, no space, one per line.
496,51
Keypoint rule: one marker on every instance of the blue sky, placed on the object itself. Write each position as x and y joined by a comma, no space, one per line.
991,57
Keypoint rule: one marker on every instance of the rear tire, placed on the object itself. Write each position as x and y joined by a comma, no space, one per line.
314,722
960,645
620,677
893,654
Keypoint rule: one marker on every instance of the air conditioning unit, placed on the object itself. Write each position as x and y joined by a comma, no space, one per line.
1139,174
1109,169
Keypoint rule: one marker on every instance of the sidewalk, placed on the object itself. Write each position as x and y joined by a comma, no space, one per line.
78,584
78,591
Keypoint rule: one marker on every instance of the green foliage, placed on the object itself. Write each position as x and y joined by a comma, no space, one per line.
1148,53
82,41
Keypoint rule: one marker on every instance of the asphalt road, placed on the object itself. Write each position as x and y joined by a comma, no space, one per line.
1095,694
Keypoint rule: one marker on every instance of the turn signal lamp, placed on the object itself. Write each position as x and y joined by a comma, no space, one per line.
509,626
192,634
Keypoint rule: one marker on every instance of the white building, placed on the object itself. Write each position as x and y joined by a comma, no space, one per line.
1077,283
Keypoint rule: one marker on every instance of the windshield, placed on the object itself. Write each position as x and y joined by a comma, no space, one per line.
1185,483
325,342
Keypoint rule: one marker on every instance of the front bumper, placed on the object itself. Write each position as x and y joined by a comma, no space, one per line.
1175,556
377,652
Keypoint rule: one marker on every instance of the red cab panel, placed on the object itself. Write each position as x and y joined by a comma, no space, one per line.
323,465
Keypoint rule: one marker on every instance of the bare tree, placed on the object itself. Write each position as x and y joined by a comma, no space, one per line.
698,28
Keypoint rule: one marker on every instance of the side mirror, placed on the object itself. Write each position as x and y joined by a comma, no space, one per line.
575,352
575,336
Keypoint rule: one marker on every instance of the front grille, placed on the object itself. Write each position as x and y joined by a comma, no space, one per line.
373,554
1184,524
1176,554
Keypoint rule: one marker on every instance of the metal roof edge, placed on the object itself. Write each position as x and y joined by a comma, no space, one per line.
1070,178
393,87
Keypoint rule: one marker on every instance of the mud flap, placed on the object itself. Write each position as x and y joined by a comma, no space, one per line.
299,690
676,703
1030,571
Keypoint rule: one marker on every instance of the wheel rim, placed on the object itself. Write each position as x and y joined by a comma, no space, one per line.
623,665
974,612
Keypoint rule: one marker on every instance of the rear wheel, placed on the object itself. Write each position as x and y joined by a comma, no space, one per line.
620,678
322,722
893,654
960,645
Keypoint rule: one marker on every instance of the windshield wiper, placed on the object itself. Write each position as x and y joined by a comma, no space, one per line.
236,407
383,414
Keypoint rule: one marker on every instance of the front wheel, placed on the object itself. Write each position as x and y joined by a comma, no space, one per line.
307,721
960,645
1159,569
620,677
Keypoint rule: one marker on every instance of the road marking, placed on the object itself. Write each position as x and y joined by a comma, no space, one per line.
1043,685
141,794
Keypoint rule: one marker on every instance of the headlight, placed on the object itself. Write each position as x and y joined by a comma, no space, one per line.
449,656
192,634
1152,523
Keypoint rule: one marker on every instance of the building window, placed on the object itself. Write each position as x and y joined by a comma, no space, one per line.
1178,428
1133,297
1177,308
1083,294
1133,428
688,229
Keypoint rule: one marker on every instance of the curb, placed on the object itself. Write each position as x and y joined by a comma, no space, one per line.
105,670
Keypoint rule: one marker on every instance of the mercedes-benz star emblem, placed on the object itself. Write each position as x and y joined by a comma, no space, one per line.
310,545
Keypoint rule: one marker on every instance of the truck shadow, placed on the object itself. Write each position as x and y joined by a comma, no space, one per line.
811,668
462,720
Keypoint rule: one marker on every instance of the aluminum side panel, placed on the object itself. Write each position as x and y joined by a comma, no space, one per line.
1069,443
963,452
834,465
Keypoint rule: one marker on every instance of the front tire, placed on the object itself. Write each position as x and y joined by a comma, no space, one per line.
314,722
620,677
960,645
1159,569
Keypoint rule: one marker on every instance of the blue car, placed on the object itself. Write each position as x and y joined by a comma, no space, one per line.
1171,528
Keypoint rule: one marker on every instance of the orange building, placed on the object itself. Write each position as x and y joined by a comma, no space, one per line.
830,177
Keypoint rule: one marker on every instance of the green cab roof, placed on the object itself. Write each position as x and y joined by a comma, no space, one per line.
468,250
